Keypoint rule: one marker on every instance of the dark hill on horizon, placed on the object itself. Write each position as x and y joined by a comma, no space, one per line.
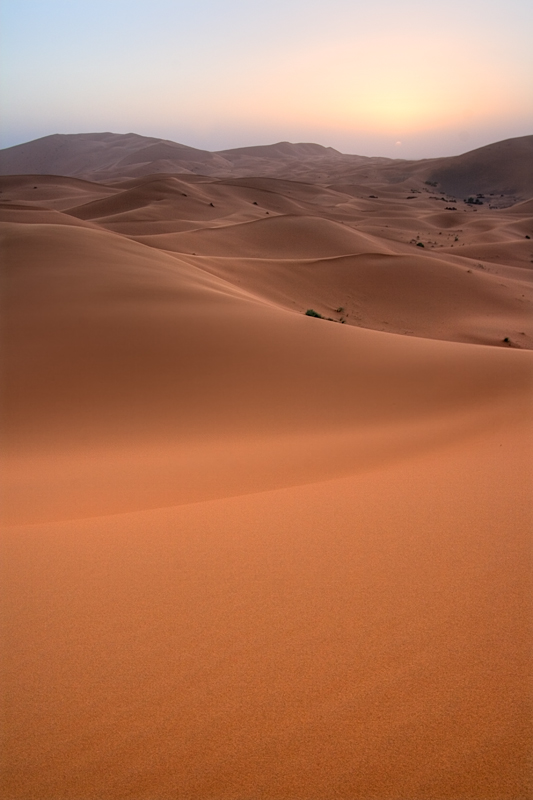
505,167
281,150
501,169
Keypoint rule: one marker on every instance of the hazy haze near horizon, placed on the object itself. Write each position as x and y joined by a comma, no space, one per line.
410,80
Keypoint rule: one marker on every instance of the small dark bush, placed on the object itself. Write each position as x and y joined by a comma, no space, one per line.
312,313
419,244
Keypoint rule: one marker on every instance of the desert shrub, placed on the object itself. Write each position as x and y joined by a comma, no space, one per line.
312,313
419,244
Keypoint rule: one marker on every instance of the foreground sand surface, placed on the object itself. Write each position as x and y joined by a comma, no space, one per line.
249,553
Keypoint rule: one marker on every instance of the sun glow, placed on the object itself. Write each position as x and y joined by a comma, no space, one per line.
292,71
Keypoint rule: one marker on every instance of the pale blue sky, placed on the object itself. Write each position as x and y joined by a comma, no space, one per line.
410,79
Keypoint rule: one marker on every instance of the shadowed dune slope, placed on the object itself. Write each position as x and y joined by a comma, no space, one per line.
504,167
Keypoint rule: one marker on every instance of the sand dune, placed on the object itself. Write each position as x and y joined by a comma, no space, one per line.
80,153
248,552
123,348
504,168
277,237
365,637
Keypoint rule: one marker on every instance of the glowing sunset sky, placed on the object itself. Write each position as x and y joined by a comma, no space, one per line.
411,78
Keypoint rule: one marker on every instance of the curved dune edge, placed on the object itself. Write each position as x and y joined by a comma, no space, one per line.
101,481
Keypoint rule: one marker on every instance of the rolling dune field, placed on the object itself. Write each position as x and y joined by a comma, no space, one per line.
248,552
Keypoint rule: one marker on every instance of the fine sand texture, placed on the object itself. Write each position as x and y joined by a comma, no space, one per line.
248,552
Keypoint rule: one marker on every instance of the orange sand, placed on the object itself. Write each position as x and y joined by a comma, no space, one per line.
248,553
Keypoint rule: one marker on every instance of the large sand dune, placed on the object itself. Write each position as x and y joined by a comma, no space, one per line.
504,168
248,552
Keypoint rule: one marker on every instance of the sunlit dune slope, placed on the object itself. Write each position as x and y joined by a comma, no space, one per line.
367,636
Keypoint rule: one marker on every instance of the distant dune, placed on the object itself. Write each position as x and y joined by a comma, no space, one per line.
281,150
504,168
246,551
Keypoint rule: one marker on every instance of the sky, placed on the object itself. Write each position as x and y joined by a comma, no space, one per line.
394,78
